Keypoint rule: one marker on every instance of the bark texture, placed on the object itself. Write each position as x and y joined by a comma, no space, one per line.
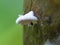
48,26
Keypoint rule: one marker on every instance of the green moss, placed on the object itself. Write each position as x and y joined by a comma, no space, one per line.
39,34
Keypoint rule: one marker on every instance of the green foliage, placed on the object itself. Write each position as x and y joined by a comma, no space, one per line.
10,32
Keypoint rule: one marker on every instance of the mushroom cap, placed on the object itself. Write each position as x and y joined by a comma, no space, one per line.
27,18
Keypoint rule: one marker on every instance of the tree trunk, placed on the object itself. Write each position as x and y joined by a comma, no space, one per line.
48,26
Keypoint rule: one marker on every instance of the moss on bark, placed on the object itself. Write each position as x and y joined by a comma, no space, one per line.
37,34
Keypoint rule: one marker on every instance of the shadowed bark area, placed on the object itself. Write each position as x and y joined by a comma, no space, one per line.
48,26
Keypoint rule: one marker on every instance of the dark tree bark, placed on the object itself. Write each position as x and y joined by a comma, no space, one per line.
48,13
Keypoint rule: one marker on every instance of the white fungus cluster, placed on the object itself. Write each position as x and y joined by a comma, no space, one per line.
27,18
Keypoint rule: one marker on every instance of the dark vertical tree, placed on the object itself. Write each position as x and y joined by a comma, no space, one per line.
48,26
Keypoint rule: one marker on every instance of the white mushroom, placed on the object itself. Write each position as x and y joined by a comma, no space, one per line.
27,18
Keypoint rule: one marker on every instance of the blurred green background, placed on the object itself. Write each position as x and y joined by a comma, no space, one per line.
10,32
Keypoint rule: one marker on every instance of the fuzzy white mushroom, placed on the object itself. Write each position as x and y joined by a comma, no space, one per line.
27,18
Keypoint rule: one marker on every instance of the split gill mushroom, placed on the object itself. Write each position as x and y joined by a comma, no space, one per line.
27,18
